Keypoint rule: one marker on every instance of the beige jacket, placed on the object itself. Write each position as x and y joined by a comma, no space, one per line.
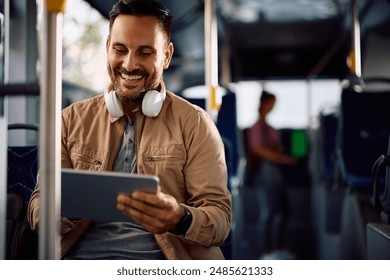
181,146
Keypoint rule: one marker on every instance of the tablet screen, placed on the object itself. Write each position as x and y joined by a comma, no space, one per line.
92,194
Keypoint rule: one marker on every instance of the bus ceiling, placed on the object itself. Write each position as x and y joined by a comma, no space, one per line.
263,39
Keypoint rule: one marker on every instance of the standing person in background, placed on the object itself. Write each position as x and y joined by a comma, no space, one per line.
140,127
266,153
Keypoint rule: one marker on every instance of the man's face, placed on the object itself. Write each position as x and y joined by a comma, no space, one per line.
137,54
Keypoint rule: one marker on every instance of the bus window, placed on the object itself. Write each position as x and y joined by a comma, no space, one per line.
299,101
84,56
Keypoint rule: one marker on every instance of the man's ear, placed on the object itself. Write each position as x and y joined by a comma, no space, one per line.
168,55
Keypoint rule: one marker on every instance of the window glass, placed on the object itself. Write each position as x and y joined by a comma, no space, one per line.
298,102
84,36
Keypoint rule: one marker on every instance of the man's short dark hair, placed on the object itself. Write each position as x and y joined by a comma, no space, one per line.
145,8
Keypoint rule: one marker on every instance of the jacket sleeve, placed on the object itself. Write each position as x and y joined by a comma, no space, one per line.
206,180
33,206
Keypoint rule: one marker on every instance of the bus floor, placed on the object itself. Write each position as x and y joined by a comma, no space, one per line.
299,234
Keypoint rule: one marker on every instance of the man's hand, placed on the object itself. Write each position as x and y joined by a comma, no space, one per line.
156,212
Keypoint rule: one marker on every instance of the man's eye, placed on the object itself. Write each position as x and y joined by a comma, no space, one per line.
120,50
145,53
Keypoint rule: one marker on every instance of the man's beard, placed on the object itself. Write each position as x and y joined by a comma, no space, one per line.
134,97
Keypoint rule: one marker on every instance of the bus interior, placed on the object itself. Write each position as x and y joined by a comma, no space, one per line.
326,61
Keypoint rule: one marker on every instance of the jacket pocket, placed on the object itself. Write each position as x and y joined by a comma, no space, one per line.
86,158
167,158
169,155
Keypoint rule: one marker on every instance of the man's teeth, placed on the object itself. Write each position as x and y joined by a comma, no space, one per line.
131,77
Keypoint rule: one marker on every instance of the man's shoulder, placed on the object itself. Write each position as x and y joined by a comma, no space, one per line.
85,104
185,111
180,104
85,109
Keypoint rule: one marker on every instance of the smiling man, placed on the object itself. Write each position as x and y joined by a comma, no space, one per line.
138,126
138,50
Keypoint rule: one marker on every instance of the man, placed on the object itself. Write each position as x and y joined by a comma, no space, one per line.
190,216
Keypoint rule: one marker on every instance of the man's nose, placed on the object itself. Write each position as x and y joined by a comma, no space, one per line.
130,62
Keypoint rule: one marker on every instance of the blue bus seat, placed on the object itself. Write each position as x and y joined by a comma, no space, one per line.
227,126
22,170
363,134
21,242
328,131
22,166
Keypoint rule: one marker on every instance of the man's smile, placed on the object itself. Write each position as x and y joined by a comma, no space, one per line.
131,78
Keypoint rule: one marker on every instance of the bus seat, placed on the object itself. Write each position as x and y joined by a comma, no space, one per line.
22,166
22,170
363,136
329,123
227,127
327,164
364,131
21,242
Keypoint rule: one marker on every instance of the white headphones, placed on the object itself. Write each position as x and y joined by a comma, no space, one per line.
151,103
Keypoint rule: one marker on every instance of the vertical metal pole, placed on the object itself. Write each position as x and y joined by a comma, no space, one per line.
4,138
3,176
50,131
356,54
214,98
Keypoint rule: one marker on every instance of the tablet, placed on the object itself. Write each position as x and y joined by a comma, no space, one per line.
92,194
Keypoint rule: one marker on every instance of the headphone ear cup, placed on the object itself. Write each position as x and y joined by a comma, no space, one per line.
113,104
152,103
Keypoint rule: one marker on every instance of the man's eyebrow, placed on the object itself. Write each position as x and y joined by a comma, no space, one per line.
117,44
146,47
139,47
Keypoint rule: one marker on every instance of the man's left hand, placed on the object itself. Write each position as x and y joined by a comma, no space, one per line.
156,212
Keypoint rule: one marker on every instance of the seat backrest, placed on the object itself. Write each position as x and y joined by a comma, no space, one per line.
22,170
328,130
21,242
22,166
364,131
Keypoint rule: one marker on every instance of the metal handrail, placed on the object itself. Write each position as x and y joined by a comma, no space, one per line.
50,128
